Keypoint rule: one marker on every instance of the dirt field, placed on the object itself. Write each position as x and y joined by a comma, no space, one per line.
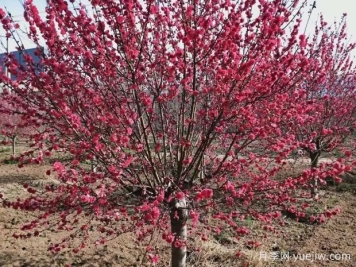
336,237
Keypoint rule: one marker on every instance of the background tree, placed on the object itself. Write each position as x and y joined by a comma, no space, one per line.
331,96
12,126
182,104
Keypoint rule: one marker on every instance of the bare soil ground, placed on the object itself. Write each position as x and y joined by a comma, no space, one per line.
336,237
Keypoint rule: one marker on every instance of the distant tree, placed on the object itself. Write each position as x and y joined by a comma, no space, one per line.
331,96
183,106
11,125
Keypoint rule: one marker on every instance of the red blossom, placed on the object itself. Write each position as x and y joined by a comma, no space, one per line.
154,258
206,193
180,195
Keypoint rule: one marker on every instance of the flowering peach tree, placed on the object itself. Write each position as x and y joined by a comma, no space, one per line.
185,107
331,99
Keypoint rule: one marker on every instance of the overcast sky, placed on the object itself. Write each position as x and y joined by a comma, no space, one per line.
331,9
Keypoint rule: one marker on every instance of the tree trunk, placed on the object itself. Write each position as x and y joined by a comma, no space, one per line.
13,144
93,165
179,216
314,157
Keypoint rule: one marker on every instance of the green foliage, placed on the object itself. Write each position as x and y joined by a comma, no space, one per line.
223,237
10,161
248,221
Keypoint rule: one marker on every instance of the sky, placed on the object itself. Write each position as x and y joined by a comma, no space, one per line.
331,9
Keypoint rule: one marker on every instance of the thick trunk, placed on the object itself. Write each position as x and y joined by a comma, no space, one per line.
314,157
179,216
